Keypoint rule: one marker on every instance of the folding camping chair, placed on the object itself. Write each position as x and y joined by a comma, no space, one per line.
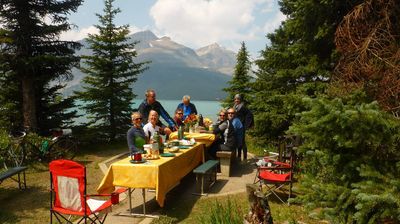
68,196
275,176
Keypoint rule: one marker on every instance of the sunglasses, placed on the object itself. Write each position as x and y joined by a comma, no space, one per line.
139,118
222,115
180,113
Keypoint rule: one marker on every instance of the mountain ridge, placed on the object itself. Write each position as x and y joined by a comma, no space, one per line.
175,70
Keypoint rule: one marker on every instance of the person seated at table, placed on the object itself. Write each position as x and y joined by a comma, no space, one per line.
178,118
135,135
187,107
225,133
238,127
150,103
152,126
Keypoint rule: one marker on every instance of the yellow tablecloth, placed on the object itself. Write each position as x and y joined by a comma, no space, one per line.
162,174
205,138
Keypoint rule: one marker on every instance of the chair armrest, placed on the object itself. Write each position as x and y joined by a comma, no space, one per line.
114,195
276,168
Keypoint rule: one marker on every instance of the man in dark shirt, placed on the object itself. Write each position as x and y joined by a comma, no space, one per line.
246,118
150,103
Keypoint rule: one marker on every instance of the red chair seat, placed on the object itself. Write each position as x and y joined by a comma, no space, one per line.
274,177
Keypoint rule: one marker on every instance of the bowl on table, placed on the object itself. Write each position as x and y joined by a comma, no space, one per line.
174,142
173,149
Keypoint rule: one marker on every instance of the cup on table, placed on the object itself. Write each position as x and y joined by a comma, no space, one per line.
137,156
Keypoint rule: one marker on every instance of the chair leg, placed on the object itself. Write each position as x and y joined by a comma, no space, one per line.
24,179
19,181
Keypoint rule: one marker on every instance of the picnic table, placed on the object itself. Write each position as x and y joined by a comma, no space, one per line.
161,174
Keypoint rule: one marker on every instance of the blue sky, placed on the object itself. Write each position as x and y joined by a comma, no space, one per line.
194,23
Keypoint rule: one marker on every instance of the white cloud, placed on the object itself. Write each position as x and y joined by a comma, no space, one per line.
199,22
78,34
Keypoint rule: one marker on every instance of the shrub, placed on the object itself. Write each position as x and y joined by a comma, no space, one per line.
351,160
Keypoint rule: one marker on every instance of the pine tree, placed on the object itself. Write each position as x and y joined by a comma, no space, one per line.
33,58
297,63
240,82
351,160
107,95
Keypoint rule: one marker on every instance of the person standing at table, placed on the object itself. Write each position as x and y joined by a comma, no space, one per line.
246,117
150,103
178,118
187,107
135,135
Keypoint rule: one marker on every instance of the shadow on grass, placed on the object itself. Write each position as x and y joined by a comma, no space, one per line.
239,169
17,205
180,200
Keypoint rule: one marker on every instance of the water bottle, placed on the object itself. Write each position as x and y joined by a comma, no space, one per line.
180,132
157,142
160,144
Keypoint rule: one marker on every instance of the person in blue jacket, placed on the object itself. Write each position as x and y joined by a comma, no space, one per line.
187,107
150,103
238,127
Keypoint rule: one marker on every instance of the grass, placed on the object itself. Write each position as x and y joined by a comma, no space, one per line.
183,212
32,205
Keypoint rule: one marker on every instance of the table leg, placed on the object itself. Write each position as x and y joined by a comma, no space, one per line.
130,213
144,201
130,201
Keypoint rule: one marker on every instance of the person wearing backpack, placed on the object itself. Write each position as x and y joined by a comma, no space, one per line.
246,117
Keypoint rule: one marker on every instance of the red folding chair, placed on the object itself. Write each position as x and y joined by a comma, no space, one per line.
68,196
276,176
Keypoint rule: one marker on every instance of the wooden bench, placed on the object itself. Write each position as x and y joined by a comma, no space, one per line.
206,172
225,159
12,165
11,172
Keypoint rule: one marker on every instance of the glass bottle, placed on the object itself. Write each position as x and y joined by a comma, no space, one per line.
155,146
180,132
201,122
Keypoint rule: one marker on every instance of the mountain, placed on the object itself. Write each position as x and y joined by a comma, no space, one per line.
175,70
217,58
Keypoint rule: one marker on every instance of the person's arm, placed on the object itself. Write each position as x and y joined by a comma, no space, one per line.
194,110
220,128
248,119
130,137
166,116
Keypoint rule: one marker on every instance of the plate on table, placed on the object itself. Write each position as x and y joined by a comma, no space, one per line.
184,146
138,161
167,154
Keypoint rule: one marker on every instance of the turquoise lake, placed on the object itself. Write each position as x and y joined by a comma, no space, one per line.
206,108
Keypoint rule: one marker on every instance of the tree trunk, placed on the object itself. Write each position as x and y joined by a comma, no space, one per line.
29,103
259,207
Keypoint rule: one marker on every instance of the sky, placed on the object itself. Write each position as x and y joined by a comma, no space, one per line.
193,23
